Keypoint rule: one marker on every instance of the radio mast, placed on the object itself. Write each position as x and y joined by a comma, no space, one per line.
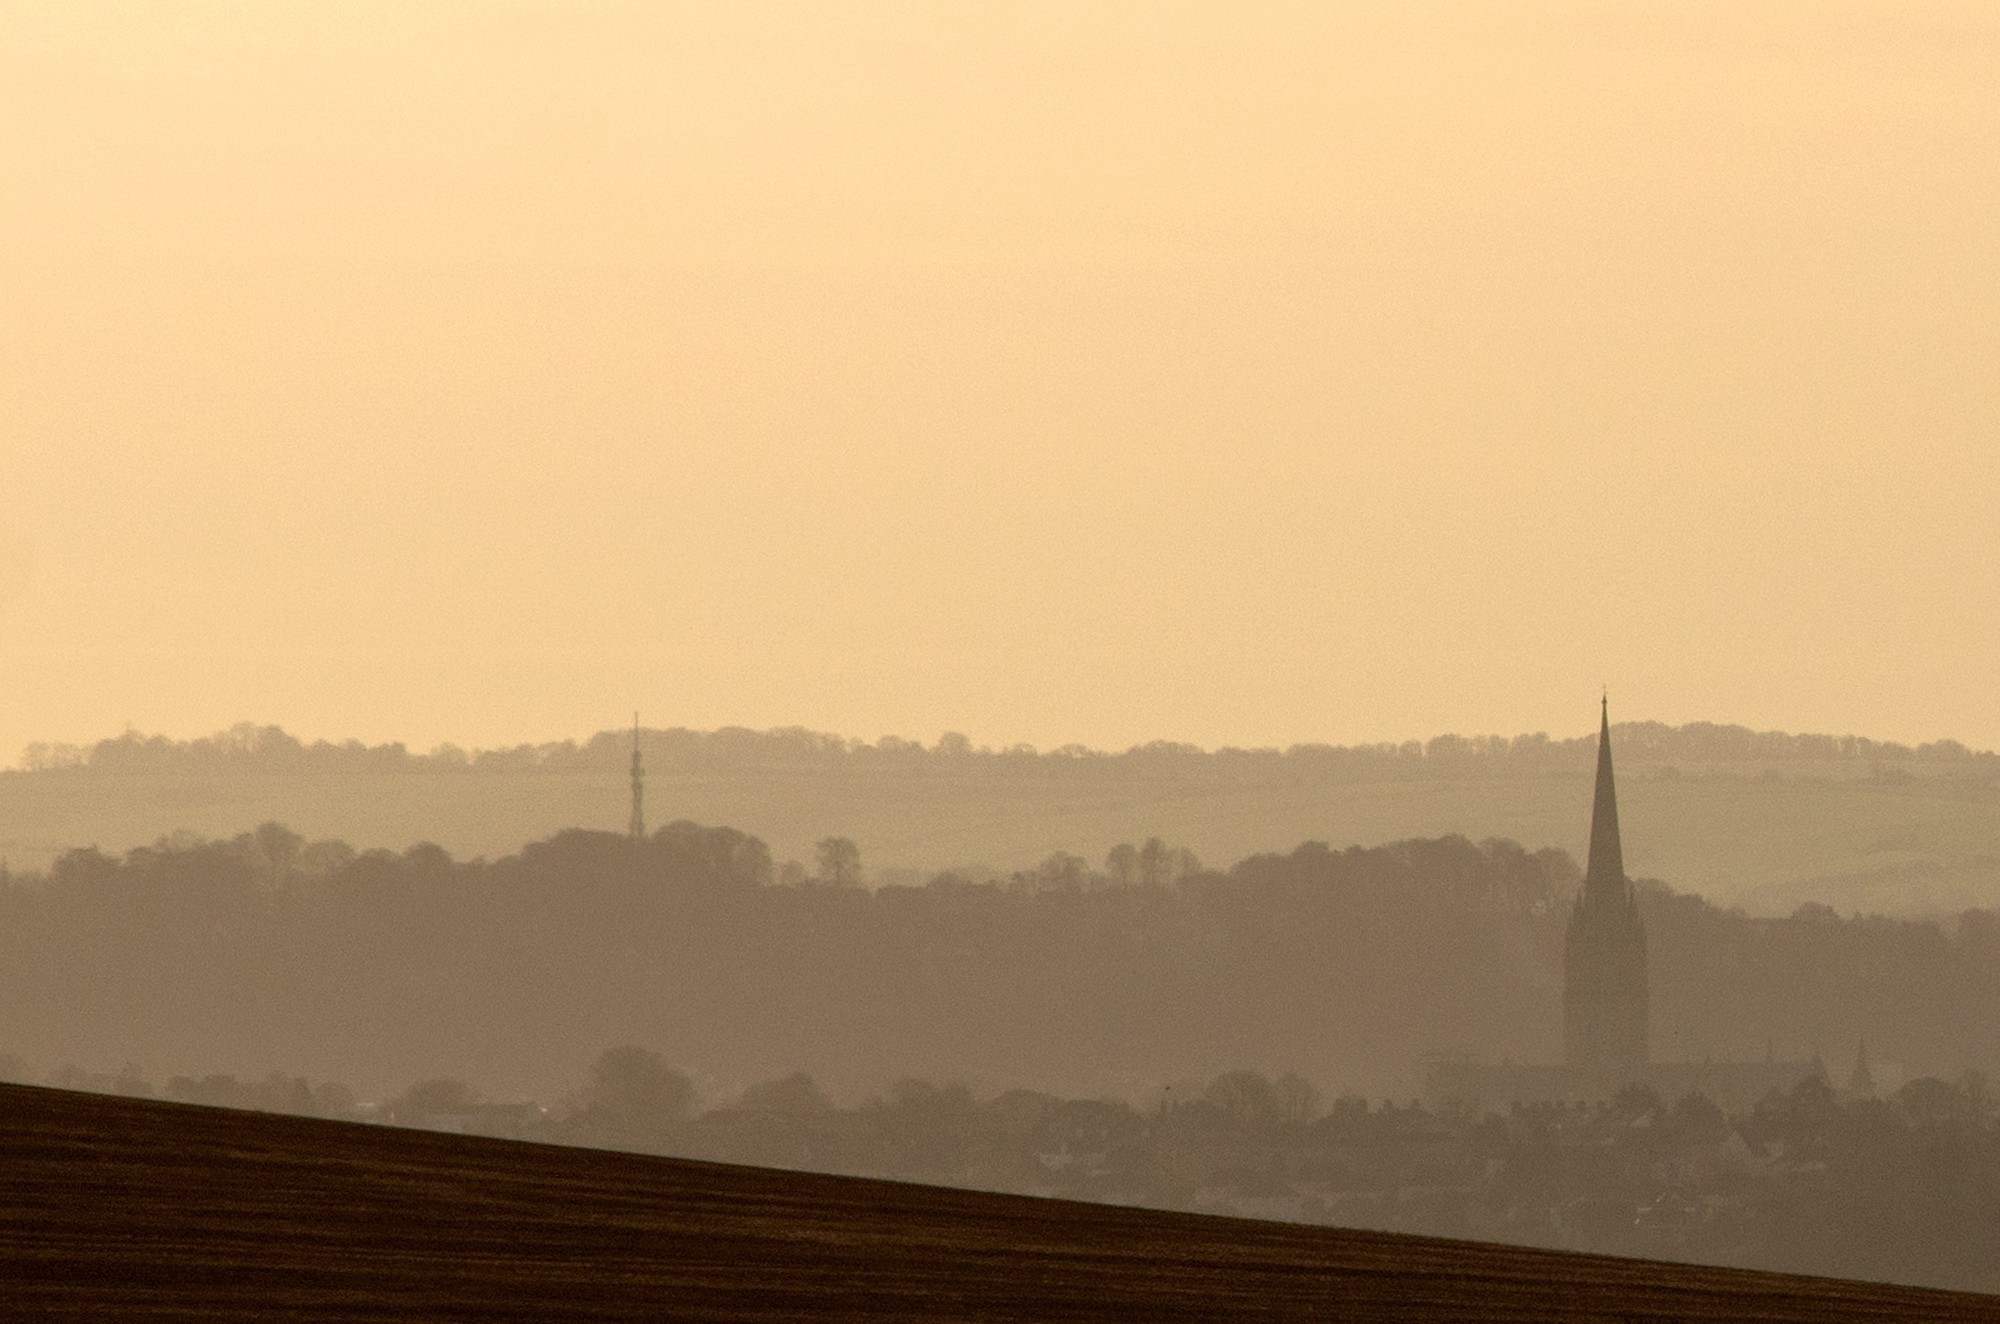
638,825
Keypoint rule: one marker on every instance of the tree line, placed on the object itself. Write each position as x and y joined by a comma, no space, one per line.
1348,968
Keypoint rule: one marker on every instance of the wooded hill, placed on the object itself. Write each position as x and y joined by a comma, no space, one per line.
1764,820
1347,967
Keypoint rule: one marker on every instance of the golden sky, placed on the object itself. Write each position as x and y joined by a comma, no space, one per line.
1239,374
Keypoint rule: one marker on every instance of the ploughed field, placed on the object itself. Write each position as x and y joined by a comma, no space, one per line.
132,1209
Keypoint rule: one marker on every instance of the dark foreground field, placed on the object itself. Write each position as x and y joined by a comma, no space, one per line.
125,1209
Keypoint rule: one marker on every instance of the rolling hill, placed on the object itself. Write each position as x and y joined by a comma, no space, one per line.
1765,821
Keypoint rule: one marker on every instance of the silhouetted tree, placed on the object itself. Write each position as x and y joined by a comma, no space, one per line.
1297,1099
280,847
634,1101
1122,864
839,861
635,1082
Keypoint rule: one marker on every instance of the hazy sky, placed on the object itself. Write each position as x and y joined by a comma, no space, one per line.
1045,371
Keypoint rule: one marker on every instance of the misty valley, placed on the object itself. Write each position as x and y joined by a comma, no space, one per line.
1348,1035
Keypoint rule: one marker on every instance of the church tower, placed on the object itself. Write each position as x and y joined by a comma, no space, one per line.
1604,953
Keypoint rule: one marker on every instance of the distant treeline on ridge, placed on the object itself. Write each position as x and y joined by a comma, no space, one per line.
248,746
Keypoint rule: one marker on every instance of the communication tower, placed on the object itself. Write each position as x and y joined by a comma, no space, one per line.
637,828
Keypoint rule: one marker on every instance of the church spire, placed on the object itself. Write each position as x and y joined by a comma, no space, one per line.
1605,872
1604,951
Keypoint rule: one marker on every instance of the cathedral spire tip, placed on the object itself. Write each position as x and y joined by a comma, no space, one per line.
1606,867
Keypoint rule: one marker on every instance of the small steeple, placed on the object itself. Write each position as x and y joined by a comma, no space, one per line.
637,827
1605,872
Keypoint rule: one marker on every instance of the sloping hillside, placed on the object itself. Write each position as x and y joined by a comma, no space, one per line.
117,1208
